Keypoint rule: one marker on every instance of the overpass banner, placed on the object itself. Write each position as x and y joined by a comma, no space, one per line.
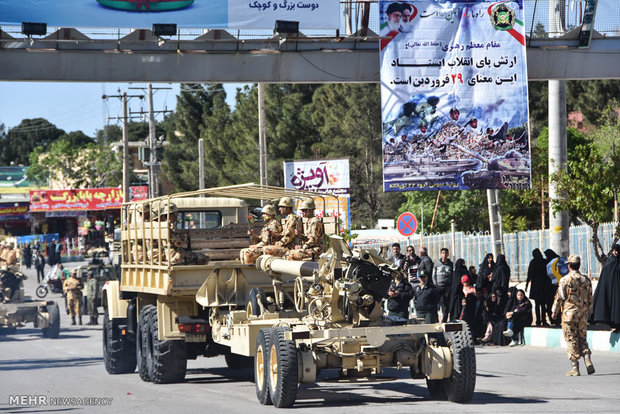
454,95
215,14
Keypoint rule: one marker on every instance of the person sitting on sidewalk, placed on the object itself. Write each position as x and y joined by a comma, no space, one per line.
519,317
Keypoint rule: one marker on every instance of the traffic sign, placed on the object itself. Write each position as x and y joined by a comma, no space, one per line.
407,224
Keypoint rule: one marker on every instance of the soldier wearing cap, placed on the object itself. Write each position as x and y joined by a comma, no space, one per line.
271,233
73,291
8,256
292,224
313,243
574,300
91,296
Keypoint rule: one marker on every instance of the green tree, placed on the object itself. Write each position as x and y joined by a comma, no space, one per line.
348,118
586,190
77,138
23,138
109,133
592,97
86,166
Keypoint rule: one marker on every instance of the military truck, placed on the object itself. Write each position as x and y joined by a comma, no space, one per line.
286,319
17,309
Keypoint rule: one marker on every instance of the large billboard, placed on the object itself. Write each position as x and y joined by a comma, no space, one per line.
454,95
216,14
331,176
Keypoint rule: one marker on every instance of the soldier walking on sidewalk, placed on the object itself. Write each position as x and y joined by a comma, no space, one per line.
574,299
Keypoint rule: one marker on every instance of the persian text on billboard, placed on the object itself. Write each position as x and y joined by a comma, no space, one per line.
215,14
83,199
454,95
330,176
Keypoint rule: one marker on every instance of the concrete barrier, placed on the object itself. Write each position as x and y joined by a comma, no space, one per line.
553,338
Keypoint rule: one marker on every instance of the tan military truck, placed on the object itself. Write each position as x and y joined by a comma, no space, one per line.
293,317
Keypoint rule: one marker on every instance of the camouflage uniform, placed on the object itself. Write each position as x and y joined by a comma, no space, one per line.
137,254
180,253
91,295
271,233
574,299
73,290
313,238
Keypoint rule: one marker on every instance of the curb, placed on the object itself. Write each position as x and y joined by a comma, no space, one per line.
553,338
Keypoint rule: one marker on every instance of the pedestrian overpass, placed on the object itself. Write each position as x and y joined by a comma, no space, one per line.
558,47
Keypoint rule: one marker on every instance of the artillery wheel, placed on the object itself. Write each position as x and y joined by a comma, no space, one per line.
460,386
283,380
53,330
261,366
253,308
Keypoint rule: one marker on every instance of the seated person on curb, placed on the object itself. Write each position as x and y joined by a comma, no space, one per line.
400,294
179,242
290,230
518,317
426,300
312,237
271,233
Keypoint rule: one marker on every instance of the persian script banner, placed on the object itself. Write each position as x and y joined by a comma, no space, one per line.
83,199
215,14
454,95
330,176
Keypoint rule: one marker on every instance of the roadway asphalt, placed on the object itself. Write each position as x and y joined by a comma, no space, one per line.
520,379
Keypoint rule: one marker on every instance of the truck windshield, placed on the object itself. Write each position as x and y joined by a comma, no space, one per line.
200,220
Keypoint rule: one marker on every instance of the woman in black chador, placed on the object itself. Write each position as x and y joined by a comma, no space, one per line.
607,293
540,285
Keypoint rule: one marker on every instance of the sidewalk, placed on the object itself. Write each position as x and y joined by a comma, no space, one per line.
598,340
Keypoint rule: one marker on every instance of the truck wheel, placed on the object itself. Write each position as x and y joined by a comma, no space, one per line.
261,366
118,355
283,380
236,361
53,330
141,345
253,306
460,386
166,361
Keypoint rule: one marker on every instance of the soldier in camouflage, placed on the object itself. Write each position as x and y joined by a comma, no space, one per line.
313,236
271,233
179,242
574,299
290,230
73,291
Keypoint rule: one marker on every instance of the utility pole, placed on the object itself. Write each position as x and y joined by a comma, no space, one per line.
613,149
124,98
262,140
153,164
495,221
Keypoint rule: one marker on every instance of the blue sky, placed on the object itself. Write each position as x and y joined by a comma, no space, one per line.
78,106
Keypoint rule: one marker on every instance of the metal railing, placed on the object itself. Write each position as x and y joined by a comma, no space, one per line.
472,247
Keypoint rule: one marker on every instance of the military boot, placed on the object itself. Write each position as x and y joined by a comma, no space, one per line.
73,320
95,321
574,372
79,320
589,365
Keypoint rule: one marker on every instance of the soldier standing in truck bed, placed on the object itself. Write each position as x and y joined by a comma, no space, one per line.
291,228
313,237
179,242
271,233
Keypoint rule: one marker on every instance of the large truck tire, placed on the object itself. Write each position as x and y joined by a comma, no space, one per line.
283,379
261,366
166,361
141,345
53,330
119,355
459,388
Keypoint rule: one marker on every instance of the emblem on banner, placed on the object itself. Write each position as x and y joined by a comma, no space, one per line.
503,17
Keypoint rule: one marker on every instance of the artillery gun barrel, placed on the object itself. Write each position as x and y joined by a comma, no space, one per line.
268,263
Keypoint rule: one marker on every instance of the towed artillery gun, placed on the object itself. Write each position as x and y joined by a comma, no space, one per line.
16,308
293,317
